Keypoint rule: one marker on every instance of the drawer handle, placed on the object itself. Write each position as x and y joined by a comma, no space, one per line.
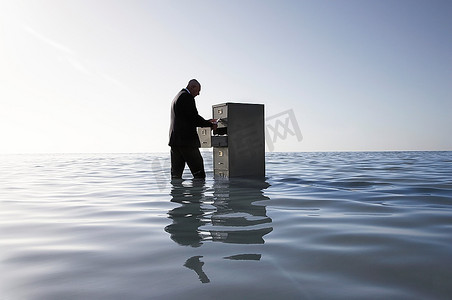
220,111
220,153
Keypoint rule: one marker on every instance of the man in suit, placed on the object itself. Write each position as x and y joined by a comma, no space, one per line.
183,138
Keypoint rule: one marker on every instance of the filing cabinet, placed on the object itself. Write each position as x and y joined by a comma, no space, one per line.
239,140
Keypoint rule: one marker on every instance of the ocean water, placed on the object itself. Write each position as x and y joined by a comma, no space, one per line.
374,225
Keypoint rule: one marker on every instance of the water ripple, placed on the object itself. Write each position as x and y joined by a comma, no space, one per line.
321,226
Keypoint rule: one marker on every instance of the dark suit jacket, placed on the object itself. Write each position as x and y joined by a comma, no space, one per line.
184,120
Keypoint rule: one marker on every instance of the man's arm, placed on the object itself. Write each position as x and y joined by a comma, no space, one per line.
191,113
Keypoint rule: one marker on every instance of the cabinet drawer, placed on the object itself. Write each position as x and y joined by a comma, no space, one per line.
204,134
219,141
221,158
220,112
221,173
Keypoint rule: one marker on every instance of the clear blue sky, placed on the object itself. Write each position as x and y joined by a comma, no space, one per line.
99,76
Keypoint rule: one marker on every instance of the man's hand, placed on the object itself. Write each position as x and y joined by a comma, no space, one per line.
214,123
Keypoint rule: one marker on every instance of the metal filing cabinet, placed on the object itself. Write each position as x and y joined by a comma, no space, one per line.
239,141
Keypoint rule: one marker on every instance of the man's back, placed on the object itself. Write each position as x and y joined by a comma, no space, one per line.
184,120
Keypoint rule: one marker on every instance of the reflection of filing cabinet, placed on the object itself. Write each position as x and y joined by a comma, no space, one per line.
239,141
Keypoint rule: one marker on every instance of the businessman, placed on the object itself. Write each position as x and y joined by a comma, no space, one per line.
183,138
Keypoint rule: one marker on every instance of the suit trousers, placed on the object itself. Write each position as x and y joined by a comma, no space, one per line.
181,155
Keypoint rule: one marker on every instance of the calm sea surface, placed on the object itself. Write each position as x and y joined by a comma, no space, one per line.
374,225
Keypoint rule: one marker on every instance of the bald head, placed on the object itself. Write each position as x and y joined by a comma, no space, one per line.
194,87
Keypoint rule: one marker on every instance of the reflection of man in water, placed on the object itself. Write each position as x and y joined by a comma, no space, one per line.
189,217
186,221
231,209
183,138
195,264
